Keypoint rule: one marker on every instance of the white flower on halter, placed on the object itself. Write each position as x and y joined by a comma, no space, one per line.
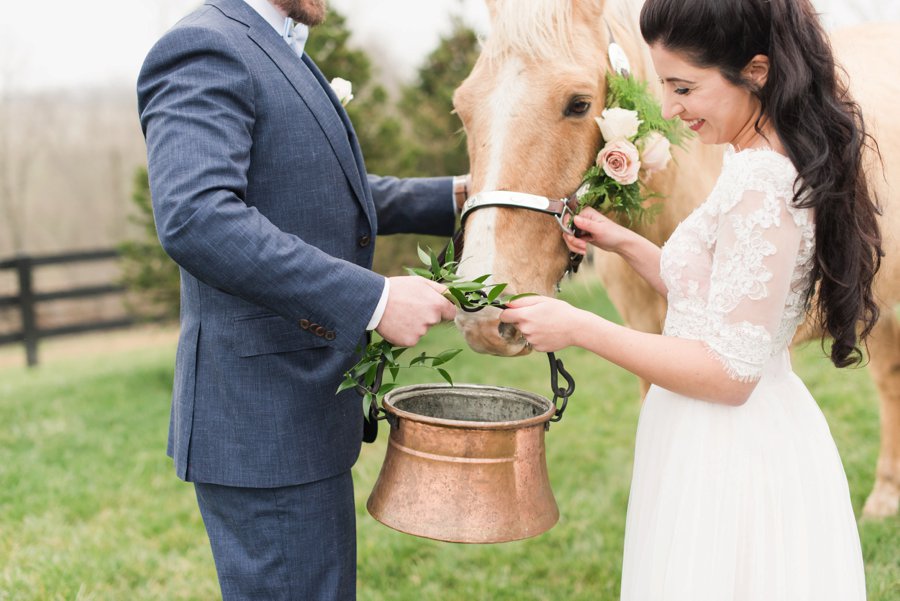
343,89
618,124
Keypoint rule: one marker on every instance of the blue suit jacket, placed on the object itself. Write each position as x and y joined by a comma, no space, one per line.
260,194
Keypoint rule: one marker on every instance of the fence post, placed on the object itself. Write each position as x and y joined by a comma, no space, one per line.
26,303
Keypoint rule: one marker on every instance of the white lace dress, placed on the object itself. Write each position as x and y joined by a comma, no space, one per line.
745,503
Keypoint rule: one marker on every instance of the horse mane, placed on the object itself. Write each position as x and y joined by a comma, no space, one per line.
544,29
537,28
624,17
625,14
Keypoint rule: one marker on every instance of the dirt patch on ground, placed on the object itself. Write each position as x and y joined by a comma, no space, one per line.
93,344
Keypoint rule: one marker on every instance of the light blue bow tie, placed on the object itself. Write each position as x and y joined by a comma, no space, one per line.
295,34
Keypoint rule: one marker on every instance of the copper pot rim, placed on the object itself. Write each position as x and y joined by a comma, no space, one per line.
404,391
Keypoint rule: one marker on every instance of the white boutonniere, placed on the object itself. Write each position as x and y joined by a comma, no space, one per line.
343,89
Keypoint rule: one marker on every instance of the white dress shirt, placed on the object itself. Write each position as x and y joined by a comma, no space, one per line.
275,17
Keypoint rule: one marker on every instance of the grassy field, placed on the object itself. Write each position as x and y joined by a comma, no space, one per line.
90,507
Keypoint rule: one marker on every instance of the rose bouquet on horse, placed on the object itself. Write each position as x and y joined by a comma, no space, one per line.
637,142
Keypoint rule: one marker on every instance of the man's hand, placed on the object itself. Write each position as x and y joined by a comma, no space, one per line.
414,305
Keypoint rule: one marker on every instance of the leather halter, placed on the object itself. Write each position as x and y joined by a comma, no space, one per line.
519,200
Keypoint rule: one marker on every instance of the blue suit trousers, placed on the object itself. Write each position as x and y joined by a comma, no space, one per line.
290,543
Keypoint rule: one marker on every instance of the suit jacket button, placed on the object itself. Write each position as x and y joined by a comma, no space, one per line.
329,335
364,240
320,331
304,323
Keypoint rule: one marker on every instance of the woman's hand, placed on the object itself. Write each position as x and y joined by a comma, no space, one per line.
546,323
598,230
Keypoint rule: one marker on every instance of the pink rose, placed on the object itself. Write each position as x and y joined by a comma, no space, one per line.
619,160
656,153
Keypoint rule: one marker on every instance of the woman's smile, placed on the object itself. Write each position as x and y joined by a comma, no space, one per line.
695,124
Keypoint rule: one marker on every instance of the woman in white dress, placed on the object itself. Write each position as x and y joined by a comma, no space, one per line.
738,492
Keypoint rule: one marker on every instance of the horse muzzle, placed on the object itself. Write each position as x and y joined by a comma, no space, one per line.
484,333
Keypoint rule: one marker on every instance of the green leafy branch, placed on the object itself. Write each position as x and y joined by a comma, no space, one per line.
381,357
607,195
470,295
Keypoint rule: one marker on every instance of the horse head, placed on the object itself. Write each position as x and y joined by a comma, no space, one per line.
528,109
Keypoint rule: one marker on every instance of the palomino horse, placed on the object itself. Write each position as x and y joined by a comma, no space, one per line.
528,109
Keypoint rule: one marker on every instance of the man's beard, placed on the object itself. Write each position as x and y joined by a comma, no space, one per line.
308,12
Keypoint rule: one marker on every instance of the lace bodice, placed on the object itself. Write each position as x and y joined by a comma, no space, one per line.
738,268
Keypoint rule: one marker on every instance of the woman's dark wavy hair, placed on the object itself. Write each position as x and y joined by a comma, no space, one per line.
820,126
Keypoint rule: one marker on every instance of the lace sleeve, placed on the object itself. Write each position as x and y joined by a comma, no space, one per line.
755,257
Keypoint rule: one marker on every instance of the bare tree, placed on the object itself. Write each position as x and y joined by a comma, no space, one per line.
19,150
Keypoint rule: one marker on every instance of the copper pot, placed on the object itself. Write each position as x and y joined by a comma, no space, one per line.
465,464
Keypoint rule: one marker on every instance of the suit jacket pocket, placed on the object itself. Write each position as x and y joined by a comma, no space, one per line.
269,333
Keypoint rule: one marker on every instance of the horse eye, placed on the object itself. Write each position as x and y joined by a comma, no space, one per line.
579,105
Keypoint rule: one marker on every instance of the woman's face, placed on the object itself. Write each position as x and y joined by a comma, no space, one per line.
710,105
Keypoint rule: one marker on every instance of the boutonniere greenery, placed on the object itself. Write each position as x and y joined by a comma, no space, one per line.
381,358
637,142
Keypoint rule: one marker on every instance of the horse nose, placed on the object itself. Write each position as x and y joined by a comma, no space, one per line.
485,334
509,332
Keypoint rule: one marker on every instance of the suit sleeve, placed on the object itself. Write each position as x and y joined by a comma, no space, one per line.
419,205
196,102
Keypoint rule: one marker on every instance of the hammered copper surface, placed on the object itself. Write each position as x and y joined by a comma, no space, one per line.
465,464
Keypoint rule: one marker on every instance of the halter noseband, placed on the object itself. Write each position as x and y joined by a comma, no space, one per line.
520,200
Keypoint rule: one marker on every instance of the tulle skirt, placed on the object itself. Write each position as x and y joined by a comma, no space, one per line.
744,503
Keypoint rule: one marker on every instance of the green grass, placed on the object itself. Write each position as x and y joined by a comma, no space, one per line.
90,507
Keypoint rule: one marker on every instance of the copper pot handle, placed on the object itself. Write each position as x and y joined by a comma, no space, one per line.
557,368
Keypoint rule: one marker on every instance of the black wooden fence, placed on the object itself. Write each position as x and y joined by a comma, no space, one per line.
27,299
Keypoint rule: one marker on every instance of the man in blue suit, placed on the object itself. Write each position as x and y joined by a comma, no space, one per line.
260,194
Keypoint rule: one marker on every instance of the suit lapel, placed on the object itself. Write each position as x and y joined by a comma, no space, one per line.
315,92
348,125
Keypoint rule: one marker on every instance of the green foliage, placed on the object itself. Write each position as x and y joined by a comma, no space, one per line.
378,357
329,47
632,94
438,140
473,295
147,271
606,194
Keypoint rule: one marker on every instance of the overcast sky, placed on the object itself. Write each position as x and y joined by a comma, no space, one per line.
64,43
